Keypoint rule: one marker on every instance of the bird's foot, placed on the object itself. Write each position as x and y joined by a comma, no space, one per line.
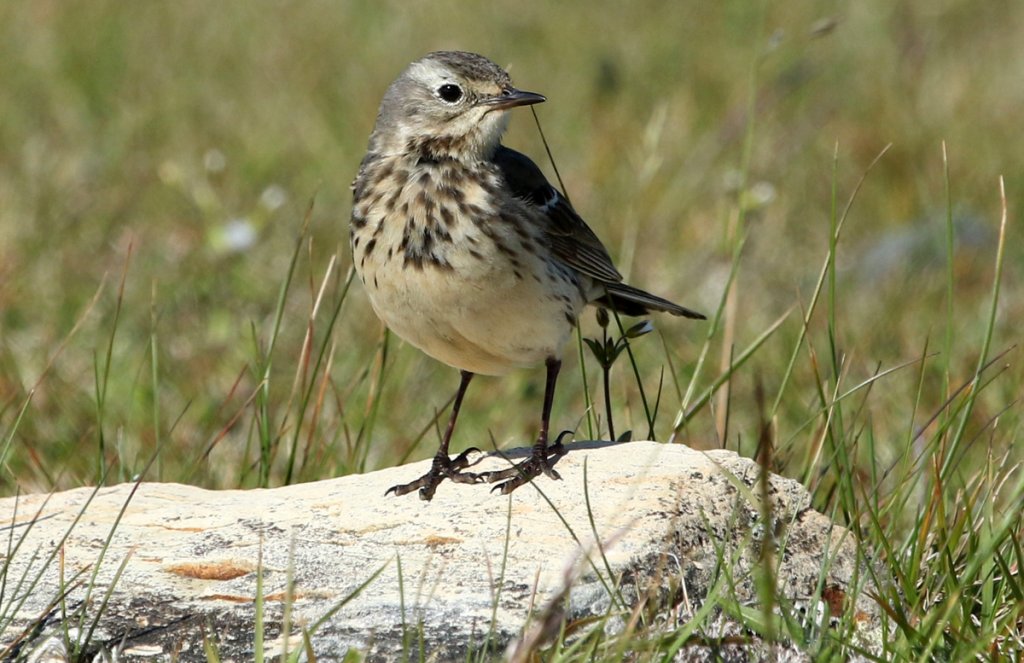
442,468
539,462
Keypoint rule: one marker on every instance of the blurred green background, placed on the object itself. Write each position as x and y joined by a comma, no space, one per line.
178,145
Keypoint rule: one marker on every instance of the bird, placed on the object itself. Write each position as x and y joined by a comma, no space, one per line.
467,252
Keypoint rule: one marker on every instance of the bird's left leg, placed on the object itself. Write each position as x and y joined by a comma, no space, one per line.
444,467
538,463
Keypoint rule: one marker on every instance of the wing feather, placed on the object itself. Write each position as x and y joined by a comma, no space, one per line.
573,242
570,238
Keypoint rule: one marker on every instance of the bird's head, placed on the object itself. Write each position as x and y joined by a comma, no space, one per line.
447,105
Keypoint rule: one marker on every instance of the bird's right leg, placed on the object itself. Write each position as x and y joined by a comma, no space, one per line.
443,466
539,461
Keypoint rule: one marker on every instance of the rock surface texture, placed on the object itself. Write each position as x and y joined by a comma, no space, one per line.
470,570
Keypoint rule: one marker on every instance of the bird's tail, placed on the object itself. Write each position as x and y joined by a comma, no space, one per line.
627,300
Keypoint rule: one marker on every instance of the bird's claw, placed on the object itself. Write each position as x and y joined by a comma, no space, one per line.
539,462
461,461
441,469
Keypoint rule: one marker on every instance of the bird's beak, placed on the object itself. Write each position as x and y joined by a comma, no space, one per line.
511,98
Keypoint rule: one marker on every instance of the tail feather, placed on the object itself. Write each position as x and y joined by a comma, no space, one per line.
627,300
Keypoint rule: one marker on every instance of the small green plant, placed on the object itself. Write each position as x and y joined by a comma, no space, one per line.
607,350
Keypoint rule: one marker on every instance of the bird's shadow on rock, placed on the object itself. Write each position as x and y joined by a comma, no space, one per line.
519,453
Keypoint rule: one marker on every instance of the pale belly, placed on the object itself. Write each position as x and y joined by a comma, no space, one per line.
484,320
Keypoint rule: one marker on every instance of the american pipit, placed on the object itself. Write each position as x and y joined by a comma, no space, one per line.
467,252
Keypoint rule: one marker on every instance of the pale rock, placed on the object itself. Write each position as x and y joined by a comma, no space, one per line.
470,570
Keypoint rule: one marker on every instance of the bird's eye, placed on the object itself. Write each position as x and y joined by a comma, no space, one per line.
450,93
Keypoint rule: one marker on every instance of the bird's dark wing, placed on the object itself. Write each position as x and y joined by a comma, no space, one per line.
570,239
